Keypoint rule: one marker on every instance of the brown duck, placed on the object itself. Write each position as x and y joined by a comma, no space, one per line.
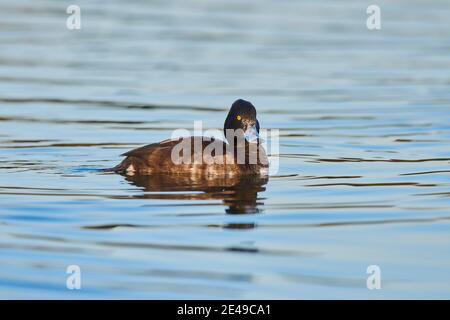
202,156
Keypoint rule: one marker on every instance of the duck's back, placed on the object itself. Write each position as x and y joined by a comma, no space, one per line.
193,155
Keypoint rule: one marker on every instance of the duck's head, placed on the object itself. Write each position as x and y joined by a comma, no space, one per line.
241,122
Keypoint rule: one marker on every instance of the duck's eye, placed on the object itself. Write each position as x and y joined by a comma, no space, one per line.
239,118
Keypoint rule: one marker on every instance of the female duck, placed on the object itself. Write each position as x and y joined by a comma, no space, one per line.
243,153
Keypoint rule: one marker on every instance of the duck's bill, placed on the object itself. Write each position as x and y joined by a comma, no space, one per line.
251,134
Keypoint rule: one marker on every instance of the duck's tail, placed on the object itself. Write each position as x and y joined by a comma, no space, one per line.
128,166
120,168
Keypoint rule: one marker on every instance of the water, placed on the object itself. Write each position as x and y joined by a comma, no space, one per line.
364,155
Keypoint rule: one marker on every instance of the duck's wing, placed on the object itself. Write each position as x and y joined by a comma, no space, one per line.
147,158
157,157
145,151
167,145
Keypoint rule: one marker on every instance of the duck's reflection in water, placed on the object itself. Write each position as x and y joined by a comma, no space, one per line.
238,193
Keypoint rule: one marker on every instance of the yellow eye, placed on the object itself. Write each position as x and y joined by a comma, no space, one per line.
239,118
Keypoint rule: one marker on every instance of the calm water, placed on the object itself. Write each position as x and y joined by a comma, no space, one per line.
364,155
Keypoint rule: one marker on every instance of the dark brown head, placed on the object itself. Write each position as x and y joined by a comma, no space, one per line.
242,121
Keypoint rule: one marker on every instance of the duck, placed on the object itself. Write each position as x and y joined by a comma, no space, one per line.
241,154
